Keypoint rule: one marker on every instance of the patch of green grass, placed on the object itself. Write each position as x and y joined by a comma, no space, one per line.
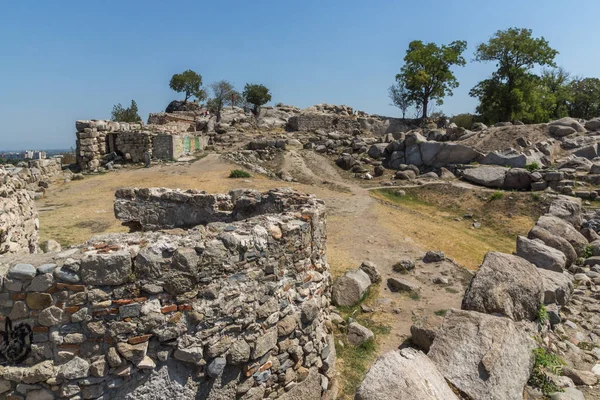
496,196
238,173
415,296
536,196
354,361
587,251
545,362
542,315
534,166
440,313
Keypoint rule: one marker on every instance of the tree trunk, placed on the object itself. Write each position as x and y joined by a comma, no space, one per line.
425,104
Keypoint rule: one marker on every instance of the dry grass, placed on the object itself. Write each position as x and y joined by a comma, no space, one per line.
429,217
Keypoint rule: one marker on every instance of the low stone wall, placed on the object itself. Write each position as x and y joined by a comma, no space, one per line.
233,309
327,122
19,222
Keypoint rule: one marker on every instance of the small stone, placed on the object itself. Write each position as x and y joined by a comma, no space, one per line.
216,367
440,280
113,358
434,256
22,272
358,334
371,269
38,301
404,266
99,368
41,283
402,285
18,311
193,355
46,268
75,369
66,275
41,394
146,363
51,316
162,355
239,352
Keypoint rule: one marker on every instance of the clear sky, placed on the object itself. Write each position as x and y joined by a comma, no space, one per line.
66,60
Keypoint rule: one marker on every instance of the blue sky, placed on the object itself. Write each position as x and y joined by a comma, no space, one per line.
67,60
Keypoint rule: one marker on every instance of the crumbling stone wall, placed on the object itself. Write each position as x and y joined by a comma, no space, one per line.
327,122
19,222
96,139
236,308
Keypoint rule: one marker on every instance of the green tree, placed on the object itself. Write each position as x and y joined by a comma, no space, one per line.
257,95
585,98
130,114
515,53
557,91
190,83
222,91
400,97
426,72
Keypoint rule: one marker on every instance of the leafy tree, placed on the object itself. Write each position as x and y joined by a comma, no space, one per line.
556,91
585,98
129,114
400,97
464,120
516,52
188,82
257,95
426,72
222,91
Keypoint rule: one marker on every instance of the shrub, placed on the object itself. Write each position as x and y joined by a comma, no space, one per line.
545,361
496,196
463,120
542,315
441,313
238,173
587,251
534,166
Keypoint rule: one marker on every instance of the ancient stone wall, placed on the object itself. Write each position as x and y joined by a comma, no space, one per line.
230,309
97,139
327,122
19,222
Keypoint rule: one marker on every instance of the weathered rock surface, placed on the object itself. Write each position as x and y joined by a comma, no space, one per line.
562,228
557,242
405,374
540,255
507,285
349,289
486,176
484,356
558,286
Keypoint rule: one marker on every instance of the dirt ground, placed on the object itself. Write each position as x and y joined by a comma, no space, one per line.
362,225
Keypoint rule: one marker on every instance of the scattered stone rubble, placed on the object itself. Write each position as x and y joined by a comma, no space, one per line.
236,307
485,350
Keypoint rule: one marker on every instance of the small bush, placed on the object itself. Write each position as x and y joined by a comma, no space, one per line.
238,173
463,120
587,251
536,196
415,296
496,196
441,313
542,315
545,361
534,166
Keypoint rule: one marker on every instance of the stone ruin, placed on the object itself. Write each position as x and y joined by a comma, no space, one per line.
101,142
19,223
235,307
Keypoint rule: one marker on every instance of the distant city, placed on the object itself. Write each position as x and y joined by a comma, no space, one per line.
31,154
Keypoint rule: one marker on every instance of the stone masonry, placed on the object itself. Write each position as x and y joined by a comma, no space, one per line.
236,307
19,222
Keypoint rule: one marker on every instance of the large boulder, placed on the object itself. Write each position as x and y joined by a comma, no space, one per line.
541,255
436,154
377,150
558,287
557,242
346,162
178,105
570,122
565,230
349,289
484,356
510,157
567,208
517,179
486,176
405,374
507,285
593,124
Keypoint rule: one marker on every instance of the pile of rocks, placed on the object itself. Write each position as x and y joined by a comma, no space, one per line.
19,224
486,349
230,309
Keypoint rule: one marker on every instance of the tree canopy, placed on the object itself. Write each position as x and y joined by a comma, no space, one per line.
129,114
509,93
257,95
426,73
190,83
400,97
585,98
222,91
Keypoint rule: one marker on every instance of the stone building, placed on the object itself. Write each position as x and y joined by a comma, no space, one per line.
98,141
